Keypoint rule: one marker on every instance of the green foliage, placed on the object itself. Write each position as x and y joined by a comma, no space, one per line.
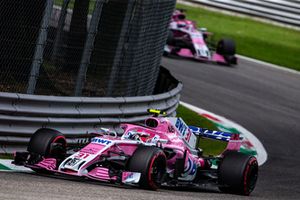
254,39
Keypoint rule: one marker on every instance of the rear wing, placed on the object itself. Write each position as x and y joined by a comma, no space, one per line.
216,135
233,140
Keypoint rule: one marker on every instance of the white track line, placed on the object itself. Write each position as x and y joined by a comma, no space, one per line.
13,167
269,64
261,152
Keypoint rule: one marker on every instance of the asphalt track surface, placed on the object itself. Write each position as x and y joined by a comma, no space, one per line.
266,101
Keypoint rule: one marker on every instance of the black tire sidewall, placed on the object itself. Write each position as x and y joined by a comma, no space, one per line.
40,142
234,171
142,161
226,47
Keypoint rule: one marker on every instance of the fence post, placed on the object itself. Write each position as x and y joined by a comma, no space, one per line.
40,46
89,44
60,28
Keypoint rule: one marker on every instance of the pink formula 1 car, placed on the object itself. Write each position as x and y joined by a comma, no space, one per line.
160,152
186,40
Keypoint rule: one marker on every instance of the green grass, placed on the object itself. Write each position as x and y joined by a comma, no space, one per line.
254,39
194,119
6,156
209,146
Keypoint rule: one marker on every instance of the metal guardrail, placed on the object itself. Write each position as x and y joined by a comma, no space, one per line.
21,114
287,12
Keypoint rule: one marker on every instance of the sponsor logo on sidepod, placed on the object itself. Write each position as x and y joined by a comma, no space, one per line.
101,141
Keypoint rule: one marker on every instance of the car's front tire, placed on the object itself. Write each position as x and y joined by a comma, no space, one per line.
151,163
47,143
226,47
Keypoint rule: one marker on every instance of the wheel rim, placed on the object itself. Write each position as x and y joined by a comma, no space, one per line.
59,139
251,176
156,171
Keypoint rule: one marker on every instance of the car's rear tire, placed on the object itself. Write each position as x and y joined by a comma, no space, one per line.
226,47
238,173
41,143
151,163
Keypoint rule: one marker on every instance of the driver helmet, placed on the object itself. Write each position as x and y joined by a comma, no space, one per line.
131,135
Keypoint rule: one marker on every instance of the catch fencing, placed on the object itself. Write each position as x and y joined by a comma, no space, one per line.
91,48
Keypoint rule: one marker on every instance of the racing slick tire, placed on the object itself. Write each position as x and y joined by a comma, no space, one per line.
237,173
48,143
151,163
226,47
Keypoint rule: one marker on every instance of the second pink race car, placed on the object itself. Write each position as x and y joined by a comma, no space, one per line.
186,40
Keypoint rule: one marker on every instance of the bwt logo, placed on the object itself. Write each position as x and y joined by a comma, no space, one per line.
101,141
180,125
